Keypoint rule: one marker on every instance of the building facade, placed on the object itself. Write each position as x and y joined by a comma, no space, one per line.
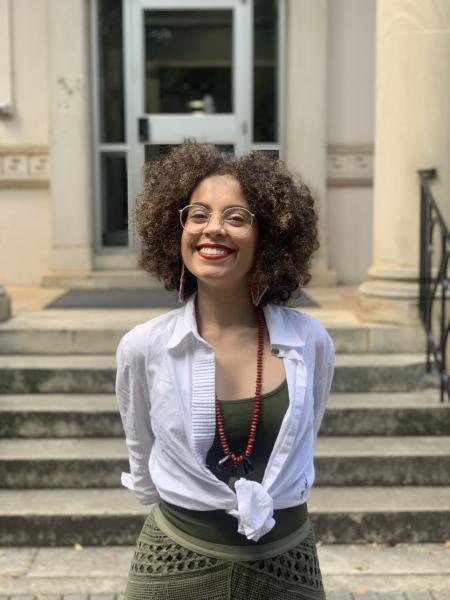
90,89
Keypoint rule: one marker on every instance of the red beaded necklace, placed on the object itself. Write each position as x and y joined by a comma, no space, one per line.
231,457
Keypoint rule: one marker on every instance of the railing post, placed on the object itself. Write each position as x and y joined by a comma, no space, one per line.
430,218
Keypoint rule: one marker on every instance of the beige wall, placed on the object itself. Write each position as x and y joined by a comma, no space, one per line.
24,196
29,124
351,71
350,128
24,236
350,232
26,248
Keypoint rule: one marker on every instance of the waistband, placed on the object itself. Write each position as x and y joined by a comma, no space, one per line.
226,551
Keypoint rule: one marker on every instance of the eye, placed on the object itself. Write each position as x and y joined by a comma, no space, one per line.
237,217
198,215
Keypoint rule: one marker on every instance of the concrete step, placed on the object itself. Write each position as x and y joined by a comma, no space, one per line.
102,572
62,463
340,461
96,415
59,416
379,373
57,374
97,331
70,332
383,461
21,374
113,517
386,414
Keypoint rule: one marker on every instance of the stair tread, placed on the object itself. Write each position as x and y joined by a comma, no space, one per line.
97,320
86,403
383,446
428,398
115,448
380,359
63,449
71,502
100,319
108,361
60,361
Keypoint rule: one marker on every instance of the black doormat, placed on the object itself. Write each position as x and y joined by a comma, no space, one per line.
134,298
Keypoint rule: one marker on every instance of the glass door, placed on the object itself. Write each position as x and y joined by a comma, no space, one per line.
188,75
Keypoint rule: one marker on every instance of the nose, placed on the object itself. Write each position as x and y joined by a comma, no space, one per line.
215,224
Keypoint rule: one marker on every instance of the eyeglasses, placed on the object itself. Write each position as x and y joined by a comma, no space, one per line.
236,220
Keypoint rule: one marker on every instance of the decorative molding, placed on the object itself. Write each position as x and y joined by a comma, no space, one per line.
350,149
350,165
24,166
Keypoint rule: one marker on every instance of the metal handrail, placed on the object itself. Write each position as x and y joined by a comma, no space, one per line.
431,217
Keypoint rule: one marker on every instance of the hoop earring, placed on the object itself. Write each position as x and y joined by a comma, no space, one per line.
257,292
181,288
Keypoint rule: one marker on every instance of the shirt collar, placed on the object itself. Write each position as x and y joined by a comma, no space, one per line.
281,332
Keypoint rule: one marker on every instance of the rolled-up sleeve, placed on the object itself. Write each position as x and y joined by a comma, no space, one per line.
323,378
134,408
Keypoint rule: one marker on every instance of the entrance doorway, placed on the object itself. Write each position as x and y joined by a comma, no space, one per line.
188,69
167,70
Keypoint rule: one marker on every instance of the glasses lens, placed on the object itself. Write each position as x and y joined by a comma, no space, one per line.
194,217
237,220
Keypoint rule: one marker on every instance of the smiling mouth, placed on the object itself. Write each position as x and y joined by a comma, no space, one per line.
212,252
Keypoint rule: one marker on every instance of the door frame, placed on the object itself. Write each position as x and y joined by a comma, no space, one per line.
124,257
238,122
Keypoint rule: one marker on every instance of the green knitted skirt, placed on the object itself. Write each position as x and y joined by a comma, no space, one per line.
162,569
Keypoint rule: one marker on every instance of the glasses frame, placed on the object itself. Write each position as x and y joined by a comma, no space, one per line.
211,212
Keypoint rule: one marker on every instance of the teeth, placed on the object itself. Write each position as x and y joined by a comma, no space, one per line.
206,250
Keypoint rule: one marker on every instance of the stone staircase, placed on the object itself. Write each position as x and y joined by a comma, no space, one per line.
383,454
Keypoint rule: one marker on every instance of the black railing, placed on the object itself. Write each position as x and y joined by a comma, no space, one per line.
434,286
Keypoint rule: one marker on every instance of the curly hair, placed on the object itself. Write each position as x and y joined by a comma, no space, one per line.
283,206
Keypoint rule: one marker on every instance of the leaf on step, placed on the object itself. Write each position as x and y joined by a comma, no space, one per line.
111,556
360,566
78,547
362,590
447,544
402,545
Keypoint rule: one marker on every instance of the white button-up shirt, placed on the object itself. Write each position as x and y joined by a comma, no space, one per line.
165,388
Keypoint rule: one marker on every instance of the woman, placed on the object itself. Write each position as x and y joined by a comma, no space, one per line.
221,400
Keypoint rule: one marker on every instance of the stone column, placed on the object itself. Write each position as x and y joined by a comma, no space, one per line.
305,125
70,143
412,131
5,305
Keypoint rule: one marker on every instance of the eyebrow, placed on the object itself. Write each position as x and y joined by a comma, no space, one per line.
206,205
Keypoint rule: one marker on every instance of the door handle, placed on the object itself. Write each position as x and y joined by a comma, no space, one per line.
143,130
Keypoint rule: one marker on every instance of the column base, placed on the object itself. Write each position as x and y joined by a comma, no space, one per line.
5,305
388,301
321,275
75,258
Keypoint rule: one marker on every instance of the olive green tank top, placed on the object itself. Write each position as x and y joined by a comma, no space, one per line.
216,525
